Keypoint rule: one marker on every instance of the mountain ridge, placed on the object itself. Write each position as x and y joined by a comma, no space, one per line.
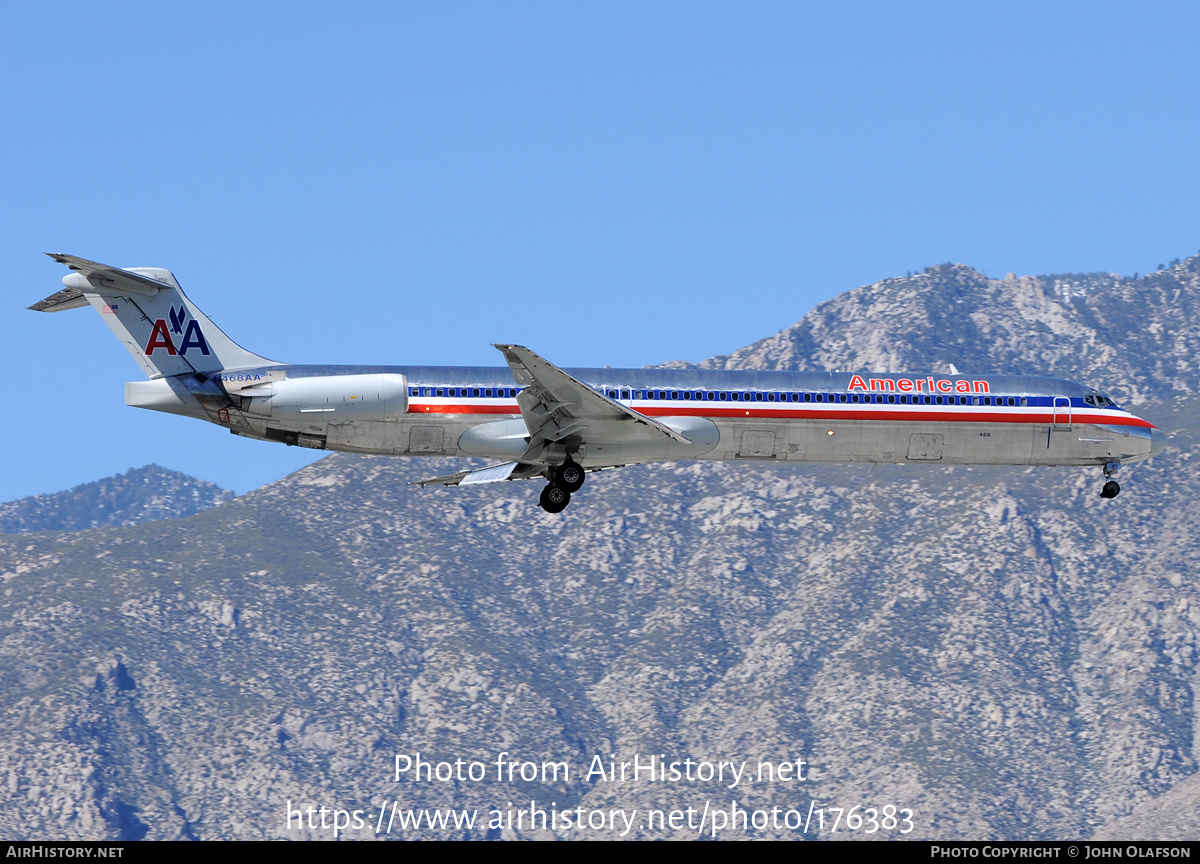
996,649
139,495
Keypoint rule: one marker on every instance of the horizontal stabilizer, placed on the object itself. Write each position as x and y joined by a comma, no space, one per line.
105,279
67,298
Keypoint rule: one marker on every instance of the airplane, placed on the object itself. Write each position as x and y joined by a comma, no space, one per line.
542,421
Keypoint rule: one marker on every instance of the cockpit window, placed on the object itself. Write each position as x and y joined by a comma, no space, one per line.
1101,401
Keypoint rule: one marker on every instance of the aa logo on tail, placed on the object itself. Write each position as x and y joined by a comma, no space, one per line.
193,337
178,316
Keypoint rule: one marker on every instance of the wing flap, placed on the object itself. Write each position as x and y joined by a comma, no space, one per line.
490,474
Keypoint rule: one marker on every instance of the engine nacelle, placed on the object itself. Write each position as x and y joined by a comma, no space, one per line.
329,398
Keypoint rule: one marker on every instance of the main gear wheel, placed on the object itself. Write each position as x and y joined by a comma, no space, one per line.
554,498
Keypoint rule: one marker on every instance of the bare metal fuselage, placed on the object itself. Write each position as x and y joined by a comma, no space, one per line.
730,415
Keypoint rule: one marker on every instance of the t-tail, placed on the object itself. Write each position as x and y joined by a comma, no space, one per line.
183,353
148,311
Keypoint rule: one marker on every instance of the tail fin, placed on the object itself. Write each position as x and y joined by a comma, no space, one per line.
148,312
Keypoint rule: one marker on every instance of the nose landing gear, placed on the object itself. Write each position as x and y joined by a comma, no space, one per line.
565,479
1111,488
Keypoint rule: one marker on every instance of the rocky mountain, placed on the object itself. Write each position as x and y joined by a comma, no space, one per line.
139,495
998,651
1134,337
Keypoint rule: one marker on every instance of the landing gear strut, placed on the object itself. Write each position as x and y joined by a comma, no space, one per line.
564,480
1111,488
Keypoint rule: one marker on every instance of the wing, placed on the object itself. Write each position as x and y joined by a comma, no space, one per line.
564,416
557,406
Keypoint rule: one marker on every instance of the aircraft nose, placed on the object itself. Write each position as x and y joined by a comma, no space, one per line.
1158,441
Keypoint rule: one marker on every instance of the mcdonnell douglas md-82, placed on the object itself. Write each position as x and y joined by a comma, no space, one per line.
558,424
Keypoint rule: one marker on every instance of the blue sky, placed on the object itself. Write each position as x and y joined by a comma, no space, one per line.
612,183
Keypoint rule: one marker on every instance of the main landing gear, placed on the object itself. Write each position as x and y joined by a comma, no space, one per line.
564,480
1111,488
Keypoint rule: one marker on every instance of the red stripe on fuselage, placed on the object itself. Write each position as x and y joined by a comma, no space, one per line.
463,409
905,414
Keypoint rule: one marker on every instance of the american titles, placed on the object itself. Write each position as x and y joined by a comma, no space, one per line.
917,385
